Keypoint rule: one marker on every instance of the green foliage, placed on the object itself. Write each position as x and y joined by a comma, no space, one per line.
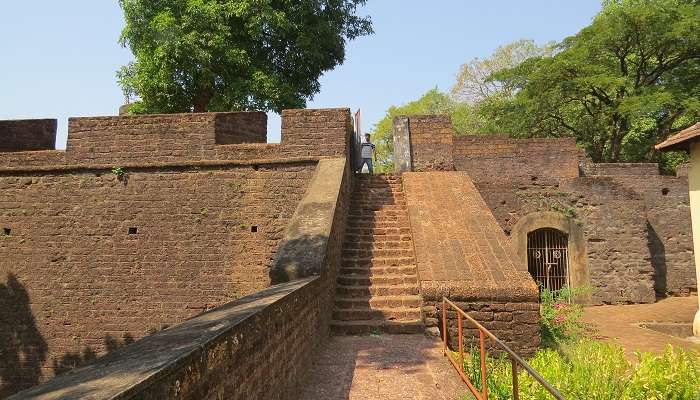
567,211
560,315
223,55
594,370
473,85
119,172
618,86
673,376
433,102
670,160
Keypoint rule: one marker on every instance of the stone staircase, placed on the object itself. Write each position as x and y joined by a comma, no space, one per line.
378,289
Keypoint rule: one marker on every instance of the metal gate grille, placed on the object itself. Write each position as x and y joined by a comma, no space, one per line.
548,258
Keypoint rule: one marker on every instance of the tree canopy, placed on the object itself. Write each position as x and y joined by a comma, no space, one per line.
223,55
473,80
620,85
433,102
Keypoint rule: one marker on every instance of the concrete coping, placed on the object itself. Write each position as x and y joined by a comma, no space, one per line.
302,251
122,374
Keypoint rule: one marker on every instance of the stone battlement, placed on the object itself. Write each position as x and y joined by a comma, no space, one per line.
144,140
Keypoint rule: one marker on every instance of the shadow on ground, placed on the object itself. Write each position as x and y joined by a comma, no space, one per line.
383,367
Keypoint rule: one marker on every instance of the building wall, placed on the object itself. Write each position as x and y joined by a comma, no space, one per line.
619,256
694,189
668,215
92,258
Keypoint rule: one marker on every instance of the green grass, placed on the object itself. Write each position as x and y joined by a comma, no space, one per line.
582,368
597,371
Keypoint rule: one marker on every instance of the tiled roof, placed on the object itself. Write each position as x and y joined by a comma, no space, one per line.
681,140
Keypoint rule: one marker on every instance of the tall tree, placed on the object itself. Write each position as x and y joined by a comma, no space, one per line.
473,84
222,55
618,86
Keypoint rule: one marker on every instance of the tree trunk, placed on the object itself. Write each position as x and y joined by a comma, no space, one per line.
620,130
202,100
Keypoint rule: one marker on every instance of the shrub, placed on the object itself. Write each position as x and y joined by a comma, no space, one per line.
560,317
587,369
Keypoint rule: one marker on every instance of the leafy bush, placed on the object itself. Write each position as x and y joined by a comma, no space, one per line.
593,370
560,317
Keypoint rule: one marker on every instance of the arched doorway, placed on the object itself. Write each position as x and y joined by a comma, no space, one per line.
548,258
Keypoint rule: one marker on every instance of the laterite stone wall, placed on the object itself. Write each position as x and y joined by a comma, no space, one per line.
142,223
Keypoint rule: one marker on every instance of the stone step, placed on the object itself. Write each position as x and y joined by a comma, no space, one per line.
377,238
378,245
368,253
380,180
377,198
377,227
376,290
371,262
376,326
378,205
384,192
391,209
379,270
398,229
376,215
388,314
383,280
378,302
370,214
378,186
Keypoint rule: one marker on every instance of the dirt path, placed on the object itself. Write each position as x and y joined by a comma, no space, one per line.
621,323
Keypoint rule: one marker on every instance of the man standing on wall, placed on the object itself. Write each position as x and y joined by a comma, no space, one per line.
368,154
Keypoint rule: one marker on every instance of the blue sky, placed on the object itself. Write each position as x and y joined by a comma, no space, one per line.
59,57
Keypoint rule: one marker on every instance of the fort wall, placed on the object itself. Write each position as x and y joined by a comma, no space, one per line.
494,158
636,224
142,223
259,346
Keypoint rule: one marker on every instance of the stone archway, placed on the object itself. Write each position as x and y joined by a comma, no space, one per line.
578,259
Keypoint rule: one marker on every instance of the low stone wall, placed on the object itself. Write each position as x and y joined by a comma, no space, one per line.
620,169
463,254
253,348
259,346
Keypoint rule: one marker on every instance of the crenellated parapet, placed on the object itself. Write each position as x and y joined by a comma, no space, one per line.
173,139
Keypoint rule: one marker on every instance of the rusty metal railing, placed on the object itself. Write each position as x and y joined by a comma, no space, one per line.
483,333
